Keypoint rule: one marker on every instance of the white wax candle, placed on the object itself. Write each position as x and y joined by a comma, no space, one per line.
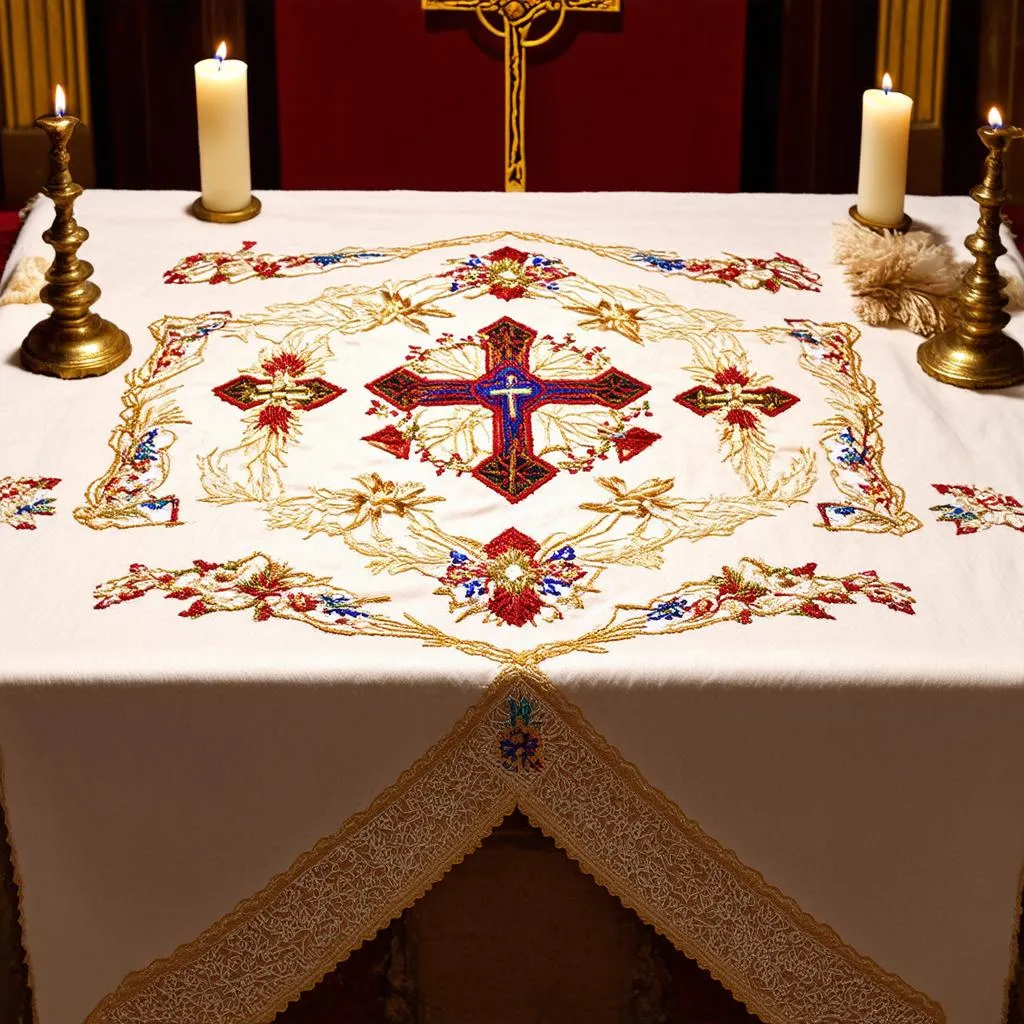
222,103
884,140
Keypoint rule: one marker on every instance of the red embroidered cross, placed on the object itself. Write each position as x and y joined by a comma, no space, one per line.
512,393
735,399
280,394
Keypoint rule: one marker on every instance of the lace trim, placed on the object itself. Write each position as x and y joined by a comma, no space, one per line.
526,745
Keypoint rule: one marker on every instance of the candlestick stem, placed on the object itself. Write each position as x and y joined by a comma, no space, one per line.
72,341
975,352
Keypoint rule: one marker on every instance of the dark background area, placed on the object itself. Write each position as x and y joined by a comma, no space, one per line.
386,95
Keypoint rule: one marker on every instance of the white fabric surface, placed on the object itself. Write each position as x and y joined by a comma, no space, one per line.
158,769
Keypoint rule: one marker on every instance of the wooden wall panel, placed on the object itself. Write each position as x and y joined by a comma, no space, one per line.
42,43
912,37
827,59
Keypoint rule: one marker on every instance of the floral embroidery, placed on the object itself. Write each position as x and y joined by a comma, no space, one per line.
771,274
22,499
514,583
753,588
978,508
520,742
853,440
126,495
573,439
499,388
506,272
271,589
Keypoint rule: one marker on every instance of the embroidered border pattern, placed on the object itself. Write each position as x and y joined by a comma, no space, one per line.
523,745
853,439
747,590
127,494
24,499
977,508
772,274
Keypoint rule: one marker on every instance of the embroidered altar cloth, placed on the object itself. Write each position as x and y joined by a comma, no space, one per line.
409,509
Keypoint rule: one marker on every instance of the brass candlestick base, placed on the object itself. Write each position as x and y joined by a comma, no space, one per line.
231,216
975,352
72,341
900,229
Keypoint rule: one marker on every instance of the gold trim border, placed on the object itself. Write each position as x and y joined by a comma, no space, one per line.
626,834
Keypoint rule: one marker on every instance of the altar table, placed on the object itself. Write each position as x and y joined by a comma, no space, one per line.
409,509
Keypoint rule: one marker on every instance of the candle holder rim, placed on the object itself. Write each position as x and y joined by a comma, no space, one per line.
899,229
247,212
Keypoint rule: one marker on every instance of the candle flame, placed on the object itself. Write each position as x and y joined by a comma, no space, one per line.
995,118
59,101
222,51
887,82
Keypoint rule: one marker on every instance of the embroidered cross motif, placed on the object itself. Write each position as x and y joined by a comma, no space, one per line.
280,394
512,393
736,400
517,18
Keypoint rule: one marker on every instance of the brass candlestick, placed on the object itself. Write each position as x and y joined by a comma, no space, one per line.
72,341
974,352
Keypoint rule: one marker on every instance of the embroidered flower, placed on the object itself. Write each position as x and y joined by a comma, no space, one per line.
376,497
507,273
396,308
514,582
611,316
520,742
644,501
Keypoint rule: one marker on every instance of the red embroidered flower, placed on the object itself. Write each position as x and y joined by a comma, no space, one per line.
731,375
506,274
512,579
285,363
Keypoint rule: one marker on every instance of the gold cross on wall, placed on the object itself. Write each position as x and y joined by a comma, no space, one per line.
517,18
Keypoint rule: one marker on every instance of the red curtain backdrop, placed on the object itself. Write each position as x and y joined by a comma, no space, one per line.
378,94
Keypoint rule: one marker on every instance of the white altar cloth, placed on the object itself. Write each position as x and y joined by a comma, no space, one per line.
163,760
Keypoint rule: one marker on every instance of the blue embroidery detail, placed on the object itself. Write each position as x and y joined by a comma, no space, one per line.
674,609
146,450
659,262
39,507
338,605
566,554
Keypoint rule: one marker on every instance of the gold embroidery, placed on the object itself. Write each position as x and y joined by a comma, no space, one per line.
249,965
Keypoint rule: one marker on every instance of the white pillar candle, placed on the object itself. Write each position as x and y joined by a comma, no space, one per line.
222,103
884,141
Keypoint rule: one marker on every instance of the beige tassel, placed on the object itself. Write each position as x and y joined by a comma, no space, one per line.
25,282
909,279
